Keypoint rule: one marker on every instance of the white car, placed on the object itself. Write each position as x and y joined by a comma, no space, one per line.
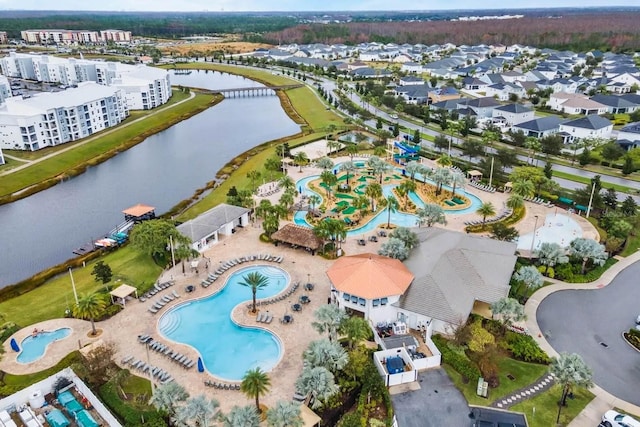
616,419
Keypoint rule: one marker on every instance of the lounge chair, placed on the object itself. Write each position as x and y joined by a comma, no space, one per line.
126,359
259,318
268,319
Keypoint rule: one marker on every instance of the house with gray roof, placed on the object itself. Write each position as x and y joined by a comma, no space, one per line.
513,114
629,136
455,275
591,126
539,127
616,104
207,229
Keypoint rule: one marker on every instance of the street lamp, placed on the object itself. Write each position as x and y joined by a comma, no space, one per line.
533,237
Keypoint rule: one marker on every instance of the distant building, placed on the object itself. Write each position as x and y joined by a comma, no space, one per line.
590,126
55,118
629,136
4,39
116,36
5,89
1,157
69,37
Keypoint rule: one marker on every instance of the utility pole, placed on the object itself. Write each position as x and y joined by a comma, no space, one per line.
173,256
491,172
593,189
73,285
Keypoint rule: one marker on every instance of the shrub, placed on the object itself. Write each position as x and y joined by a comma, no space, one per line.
523,347
111,311
129,415
633,337
459,362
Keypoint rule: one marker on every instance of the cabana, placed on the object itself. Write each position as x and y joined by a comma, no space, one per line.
121,293
297,236
474,175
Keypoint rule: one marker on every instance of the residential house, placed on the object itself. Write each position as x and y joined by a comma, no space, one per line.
504,91
513,114
539,127
443,93
411,80
629,136
590,126
483,107
208,228
473,83
575,103
513,76
411,67
369,73
414,94
616,104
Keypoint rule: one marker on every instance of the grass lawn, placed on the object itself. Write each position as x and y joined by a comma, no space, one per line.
111,139
546,407
587,181
56,295
632,245
13,383
524,373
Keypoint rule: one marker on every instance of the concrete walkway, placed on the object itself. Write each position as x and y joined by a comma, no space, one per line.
543,384
604,400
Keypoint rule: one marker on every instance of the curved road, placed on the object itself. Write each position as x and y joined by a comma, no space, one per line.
578,321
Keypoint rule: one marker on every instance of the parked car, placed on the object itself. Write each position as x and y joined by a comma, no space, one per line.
616,419
394,116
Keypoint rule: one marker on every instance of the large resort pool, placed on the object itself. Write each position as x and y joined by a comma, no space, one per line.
227,350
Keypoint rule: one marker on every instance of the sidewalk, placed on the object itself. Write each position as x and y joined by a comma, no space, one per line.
592,413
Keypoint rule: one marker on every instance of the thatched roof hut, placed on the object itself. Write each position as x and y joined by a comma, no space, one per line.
296,235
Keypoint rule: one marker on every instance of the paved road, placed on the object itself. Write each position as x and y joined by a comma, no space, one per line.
438,403
577,321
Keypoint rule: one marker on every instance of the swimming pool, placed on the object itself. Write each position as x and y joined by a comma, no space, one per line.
33,347
227,349
557,228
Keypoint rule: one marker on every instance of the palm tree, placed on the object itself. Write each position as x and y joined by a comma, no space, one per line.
530,276
394,248
314,200
324,163
332,146
327,354
287,182
486,209
515,201
254,281
167,397
551,254
361,203
329,317
319,382
352,150
588,250
412,168
254,384
408,237
199,410
441,177
569,371
406,187
242,416
392,206
331,230
90,306
444,161
273,164
253,175
348,167
287,199
379,150
329,180
456,178
284,414
301,159
374,191
523,188
356,329
509,310
431,214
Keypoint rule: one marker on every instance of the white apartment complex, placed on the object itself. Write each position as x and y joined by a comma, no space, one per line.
5,89
69,37
54,118
144,87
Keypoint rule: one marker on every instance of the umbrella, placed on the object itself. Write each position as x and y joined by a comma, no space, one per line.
14,345
200,365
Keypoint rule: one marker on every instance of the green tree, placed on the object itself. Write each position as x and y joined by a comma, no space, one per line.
472,148
588,250
394,248
480,338
396,129
585,157
610,199
255,383
441,177
508,310
352,149
324,163
284,414
379,123
319,382
569,371
241,416
197,410
456,178
328,317
327,354
548,170
529,276
629,206
329,180
551,254
152,237
486,209
431,214
356,329
412,168
374,191
404,189
408,237
102,272
254,281
301,159
417,137
349,168
391,205
441,142
515,201
314,200
273,164
500,231
628,167
254,176
611,151
167,397
89,306
551,145
523,188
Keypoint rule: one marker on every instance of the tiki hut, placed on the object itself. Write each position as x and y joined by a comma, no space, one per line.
298,236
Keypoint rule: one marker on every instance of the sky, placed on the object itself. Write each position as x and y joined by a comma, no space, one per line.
297,5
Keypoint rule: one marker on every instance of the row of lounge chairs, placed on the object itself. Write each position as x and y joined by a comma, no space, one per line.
166,299
279,298
237,261
482,187
221,386
264,318
162,376
539,201
270,192
505,213
158,287
165,350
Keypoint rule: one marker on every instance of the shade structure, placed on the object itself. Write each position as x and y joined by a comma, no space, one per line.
370,276
200,365
122,292
14,345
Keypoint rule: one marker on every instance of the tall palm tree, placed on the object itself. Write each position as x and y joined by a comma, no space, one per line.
352,150
412,168
284,414
90,306
167,397
444,161
569,371
486,209
515,201
329,317
273,164
407,187
441,177
242,416
329,180
255,383
379,150
374,191
253,175
319,382
431,214
456,179
338,232
332,146
201,411
314,200
361,203
523,188
348,167
287,182
392,206
324,163
254,281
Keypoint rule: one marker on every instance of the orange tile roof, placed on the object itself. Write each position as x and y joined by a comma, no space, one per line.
138,210
370,276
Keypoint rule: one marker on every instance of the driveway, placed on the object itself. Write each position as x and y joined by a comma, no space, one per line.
578,321
438,403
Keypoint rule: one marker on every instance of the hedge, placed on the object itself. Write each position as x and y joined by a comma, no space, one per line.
129,415
524,347
457,361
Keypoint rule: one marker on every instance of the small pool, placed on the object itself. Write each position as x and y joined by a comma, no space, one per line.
228,350
33,347
557,228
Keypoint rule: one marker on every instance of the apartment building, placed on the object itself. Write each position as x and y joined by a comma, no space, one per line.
4,39
5,89
116,36
55,118
69,37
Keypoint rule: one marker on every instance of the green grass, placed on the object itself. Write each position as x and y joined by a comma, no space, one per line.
524,373
546,407
631,246
50,300
110,140
12,383
587,181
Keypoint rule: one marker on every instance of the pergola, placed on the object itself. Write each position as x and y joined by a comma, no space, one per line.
474,175
121,293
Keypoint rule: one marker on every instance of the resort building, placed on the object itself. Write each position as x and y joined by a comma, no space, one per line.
69,37
55,118
144,87
207,228
5,89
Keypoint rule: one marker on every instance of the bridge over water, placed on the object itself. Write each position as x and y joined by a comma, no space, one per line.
253,91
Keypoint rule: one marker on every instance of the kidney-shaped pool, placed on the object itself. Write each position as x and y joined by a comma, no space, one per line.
227,350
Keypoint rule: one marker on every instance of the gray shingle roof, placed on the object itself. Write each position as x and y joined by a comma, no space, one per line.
210,221
541,124
452,270
514,108
592,121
